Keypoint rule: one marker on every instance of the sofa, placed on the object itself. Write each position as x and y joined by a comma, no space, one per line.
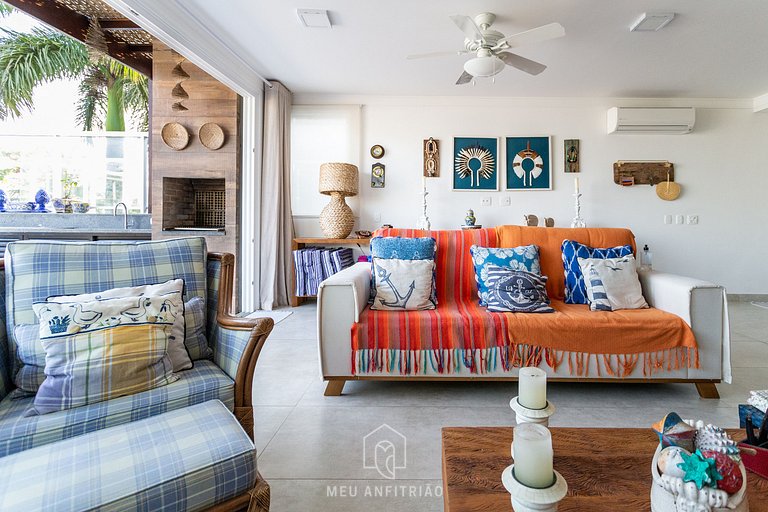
682,337
33,271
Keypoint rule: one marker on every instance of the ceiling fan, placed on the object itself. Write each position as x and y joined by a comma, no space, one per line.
489,47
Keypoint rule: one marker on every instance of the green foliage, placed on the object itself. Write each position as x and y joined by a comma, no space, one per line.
107,90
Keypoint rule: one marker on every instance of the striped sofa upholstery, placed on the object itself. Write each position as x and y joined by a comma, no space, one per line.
190,459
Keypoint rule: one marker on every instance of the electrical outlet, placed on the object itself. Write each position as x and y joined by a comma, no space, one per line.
485,201
377,217
692,219
506,201
667,219
679,219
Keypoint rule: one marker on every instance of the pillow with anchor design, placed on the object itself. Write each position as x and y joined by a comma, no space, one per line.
100,350
403,284
403,248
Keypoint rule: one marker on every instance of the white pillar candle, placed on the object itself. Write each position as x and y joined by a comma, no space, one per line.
532,451
576,184
533,388
424,182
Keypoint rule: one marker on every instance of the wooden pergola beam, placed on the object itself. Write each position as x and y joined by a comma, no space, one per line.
124,24
75,25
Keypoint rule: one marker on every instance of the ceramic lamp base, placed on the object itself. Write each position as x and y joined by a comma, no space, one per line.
337,219
529,499
525,415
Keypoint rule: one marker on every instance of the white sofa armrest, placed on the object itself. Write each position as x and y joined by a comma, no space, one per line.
340,300
704,307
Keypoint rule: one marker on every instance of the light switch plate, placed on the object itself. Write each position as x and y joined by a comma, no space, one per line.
485,201
667,219
506,201
679,219
692,219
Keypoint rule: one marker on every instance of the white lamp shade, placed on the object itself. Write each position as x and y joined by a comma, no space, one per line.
484,66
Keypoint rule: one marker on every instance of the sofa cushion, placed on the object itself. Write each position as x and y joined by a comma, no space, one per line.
104,349
549,241
575,288
403,284
406,249
88,267
525,257
17,432
612,283
189,459
516,291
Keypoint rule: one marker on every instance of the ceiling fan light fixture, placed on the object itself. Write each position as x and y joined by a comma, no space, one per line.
484,66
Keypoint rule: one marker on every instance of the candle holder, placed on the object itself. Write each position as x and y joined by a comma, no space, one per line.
578,221
526,415
531,499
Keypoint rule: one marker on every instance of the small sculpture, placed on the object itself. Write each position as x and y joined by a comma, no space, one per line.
531,220
699,470
42,198
731,478
673,431
670,459
470,219
710,437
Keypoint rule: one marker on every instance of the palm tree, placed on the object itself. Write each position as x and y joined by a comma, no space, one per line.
108,89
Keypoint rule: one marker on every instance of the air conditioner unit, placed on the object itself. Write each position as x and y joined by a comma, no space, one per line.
651,120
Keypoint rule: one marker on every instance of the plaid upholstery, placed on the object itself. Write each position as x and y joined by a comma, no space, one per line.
5,359
228,347
213,271
202,383
195,340
189,459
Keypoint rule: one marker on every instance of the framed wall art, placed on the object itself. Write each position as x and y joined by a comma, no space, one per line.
571,155
378,175
529,163
476,163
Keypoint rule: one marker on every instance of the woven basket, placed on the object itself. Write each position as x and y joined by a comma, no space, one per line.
668,190
340,178
175,136
211,136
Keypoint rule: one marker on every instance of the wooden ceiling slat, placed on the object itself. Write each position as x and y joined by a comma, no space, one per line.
125,24
75,25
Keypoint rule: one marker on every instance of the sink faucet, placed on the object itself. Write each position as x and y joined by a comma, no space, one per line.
125,214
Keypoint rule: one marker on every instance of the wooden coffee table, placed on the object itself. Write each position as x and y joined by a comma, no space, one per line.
607,470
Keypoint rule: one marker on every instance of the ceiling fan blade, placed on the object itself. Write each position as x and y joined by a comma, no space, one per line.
529,66
535,35
468,26
435,54
465,78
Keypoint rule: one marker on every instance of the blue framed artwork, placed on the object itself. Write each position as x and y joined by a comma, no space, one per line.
475,163
529,163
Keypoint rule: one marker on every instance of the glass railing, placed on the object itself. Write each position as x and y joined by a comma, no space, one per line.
88,172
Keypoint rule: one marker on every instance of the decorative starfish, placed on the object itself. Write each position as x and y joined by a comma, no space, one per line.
699,469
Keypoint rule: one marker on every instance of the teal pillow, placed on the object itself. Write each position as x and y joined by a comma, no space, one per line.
525,257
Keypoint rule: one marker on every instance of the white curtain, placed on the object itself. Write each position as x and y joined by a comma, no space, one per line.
276,223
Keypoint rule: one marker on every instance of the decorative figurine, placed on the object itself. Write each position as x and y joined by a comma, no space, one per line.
470,219
42,198
3,200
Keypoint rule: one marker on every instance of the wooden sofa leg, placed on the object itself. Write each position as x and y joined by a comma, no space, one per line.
334,387
707,390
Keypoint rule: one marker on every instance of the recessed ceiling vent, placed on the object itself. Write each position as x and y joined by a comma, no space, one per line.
314,18
652,21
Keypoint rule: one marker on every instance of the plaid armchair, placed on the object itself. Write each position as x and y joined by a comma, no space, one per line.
34,271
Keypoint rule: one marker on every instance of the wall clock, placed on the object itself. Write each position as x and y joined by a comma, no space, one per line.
377,151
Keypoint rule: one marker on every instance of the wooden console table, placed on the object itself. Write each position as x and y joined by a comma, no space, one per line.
606,469
300,243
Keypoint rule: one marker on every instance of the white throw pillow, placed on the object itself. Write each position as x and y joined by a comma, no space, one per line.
403,284
176,349
612,283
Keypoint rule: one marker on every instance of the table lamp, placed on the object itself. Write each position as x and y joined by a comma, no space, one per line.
338,180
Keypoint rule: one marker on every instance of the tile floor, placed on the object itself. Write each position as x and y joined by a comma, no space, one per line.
311,446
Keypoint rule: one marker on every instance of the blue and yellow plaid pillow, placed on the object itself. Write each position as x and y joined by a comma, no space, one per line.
96,351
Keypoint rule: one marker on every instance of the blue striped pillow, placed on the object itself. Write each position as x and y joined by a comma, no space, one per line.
575,289
516,291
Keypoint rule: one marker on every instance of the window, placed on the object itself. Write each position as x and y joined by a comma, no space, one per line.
319,134
101,170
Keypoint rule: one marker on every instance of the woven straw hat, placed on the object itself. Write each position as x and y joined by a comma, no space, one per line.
668,190
339,178
211,136
175,136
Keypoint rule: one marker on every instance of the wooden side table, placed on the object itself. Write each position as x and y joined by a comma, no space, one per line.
300,243
607,469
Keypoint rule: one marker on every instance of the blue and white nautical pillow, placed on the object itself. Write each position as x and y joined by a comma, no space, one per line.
399,248
517,291
403,284
525,257
612,283
575,289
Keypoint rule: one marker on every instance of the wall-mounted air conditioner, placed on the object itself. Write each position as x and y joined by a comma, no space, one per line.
675,120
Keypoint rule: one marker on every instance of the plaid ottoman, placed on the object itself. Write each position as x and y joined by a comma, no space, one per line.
188,459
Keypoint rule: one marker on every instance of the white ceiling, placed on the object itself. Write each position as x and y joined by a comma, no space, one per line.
713,48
